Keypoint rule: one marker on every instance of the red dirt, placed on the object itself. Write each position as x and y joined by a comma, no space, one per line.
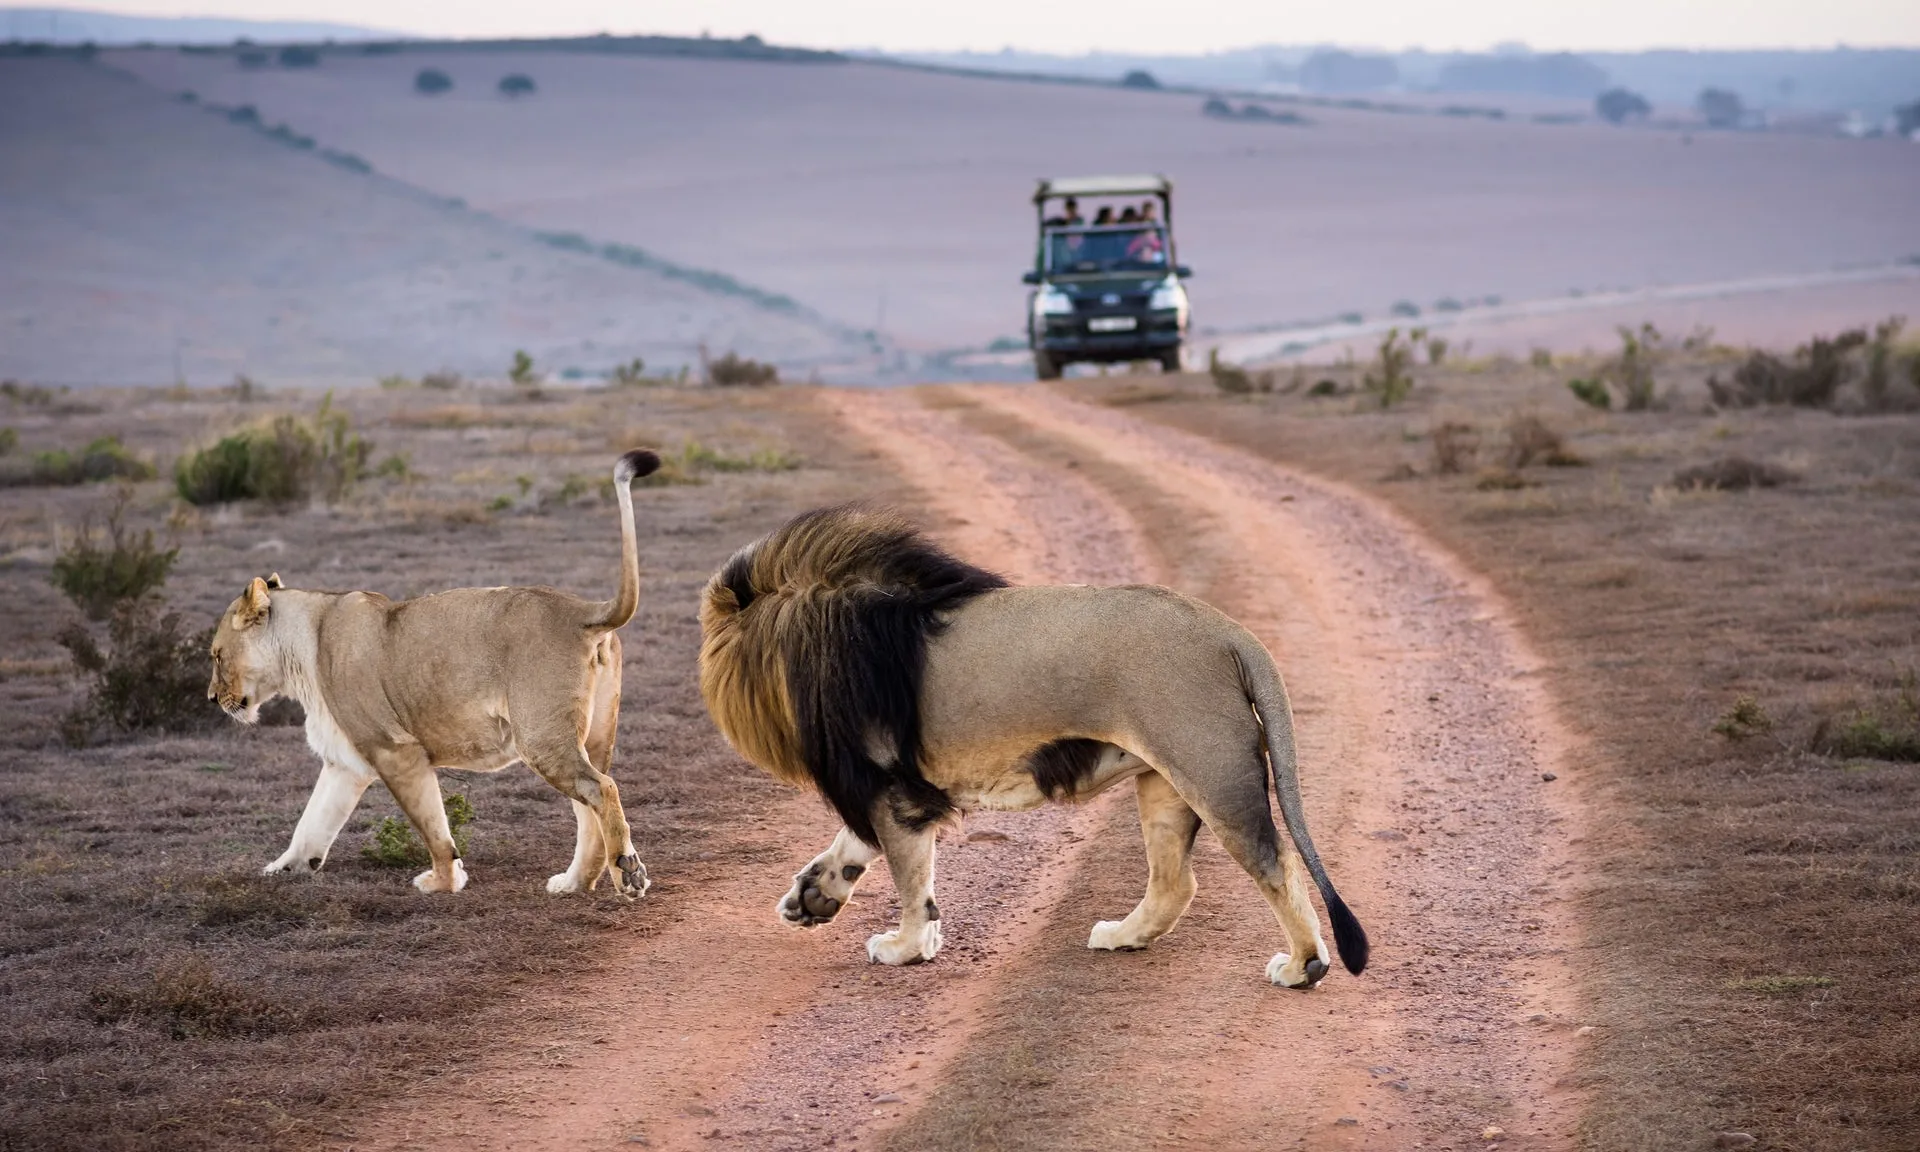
1424,739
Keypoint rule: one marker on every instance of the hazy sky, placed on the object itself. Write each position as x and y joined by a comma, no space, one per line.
1074,26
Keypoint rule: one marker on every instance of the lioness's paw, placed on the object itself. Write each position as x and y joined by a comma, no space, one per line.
815,898
1282,970
897,948
633,882
1112,936
296,863
428,881
565,884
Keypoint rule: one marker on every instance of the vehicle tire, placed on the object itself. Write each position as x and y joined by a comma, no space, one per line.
1044,367
1170,360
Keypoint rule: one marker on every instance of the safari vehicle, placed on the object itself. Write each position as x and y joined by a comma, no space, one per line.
1107,291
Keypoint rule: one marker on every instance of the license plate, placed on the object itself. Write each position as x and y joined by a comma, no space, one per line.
1111,324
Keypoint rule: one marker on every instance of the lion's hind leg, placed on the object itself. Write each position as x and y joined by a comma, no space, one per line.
826,884
1230,794
1168,825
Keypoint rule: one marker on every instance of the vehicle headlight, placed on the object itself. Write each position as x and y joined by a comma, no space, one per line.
1050,301
1167,294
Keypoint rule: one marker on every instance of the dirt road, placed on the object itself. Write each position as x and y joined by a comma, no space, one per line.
1425,747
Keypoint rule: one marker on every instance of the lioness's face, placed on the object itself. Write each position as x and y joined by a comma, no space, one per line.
243,674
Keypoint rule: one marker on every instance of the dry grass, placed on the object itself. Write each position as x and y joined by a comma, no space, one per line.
158,991
1752,899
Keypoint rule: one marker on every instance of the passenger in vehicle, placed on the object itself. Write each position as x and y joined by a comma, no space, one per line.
1102,217
1147,211
1130,216
1070,215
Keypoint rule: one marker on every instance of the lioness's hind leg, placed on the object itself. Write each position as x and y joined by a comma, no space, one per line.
564,765
590,854
910,858
1168,825
826,884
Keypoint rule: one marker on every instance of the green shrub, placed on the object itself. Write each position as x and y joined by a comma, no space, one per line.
1888,729
9,440
103,459
1592,393
152,677
631,373
98,578
521,371
1389,380
396,845
283,460
1744,719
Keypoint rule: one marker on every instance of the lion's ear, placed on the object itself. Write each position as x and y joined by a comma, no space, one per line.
256,603
273,582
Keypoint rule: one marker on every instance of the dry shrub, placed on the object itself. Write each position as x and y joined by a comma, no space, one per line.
1229,378
1630,372
1731,473
734,370
1530,440
445,380
187,999
1454,448
98,577
1501,480
282,460
152,677
1817,372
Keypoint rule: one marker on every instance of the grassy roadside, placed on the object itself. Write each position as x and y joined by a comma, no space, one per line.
1742,663
155,990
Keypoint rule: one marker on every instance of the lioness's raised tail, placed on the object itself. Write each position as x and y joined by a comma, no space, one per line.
617,611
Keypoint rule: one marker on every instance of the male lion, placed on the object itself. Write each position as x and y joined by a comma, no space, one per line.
847,652
475,678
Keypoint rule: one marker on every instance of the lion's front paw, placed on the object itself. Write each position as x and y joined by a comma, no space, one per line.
429,880
1282,970
815,898
1113,936
898,947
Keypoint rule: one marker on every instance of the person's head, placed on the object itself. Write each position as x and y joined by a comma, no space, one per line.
1072,208
1147,210
1104,216
1130,216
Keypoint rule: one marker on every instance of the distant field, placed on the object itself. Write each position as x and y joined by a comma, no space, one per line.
897,198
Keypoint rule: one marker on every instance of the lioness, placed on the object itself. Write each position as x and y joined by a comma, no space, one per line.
475,678
847,652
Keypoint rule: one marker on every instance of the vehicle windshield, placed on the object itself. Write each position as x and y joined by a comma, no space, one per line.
1126,248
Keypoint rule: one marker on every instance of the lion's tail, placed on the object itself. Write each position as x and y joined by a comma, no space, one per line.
617,611
1268,694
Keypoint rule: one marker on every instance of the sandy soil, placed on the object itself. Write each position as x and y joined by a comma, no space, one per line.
1412,694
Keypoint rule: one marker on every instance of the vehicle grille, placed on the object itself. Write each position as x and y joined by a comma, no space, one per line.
1129,302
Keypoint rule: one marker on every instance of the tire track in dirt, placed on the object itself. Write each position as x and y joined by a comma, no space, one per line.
725,1025
1423,744
721,1028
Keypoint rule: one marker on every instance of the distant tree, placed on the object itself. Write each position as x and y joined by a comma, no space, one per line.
1216,107
1618,105
1139,78
295,56
1907,118
1336,71
518,84
432,82
1720,108
252,58
1551,74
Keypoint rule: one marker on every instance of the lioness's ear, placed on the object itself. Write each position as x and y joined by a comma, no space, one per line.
254,610
273,582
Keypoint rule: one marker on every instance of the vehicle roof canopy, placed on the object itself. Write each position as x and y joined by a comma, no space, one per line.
1151,185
